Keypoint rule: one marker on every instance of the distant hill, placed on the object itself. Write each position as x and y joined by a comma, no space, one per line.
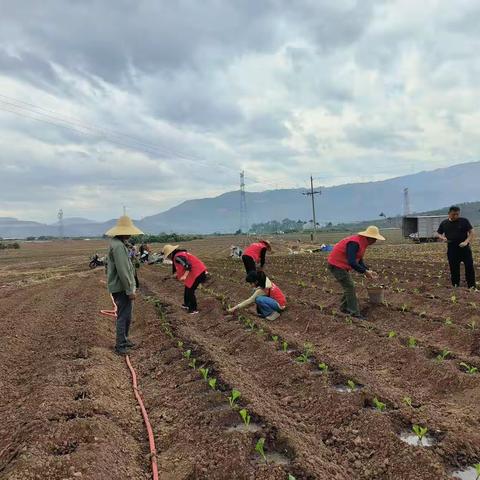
343,203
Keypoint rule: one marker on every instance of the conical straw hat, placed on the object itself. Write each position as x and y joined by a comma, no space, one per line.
168,249
372,232
124,226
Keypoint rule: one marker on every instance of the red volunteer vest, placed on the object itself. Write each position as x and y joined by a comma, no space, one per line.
338,256
254,251
198,267
275,293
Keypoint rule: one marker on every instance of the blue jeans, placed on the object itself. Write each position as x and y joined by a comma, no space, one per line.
266,305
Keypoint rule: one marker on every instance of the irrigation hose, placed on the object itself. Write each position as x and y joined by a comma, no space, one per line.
136,391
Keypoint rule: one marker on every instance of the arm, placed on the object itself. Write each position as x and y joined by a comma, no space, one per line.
183,262
262,256
124,269
352,250
441,233
248,301
470,236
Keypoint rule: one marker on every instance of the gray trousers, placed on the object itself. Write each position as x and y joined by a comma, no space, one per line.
124,318
349,298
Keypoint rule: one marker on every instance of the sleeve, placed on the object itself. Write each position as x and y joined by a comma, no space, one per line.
352,250
468,225
124,269
183,262
250,300
263,252
441,230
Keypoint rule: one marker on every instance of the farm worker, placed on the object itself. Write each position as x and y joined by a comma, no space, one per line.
121,279
347,255
269,298
132,253
254,255
188,269
458,232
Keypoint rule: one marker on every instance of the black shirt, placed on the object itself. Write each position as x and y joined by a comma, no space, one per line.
456,231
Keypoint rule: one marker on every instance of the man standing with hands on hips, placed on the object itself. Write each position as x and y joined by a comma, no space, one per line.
121,280
458,232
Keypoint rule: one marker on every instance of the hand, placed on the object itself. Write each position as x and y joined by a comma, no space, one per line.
371,275
183,277
464,244
132,296
231,309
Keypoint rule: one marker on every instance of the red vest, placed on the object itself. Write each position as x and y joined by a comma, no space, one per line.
254,251
275,293
338,256
198,267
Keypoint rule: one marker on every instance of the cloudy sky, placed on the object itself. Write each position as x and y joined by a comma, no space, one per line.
147,103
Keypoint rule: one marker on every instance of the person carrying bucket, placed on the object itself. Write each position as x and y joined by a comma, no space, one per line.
121,280
188,269
269,299
255,254
348,255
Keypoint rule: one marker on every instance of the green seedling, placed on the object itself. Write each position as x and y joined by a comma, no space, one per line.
472,324
453,299
412,343
259,448
380,406
291,477
392,334
250,324
306,354
275,338
213,383
180,344
443,355
234,396
348,320
404,307
323,367
473,305
476,466
203,373
469,368
448,321
420,432
407,401
284,346
193,363
351,385
245,416
187,354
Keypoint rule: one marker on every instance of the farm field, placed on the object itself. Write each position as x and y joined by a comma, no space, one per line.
330,396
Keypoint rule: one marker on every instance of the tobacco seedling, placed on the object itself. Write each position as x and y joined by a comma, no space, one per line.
404,307
306,354
453,298
351,385
472,324
291,477
412,343
275,338
203,373
259,448
448,321
234,396
392,334
420,432
407,401
443,355
380,406
469,368
476,466
212,382
180,344
193,363
323,367
284,346
245,416
187,354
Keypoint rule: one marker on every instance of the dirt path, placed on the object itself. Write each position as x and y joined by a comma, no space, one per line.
67,407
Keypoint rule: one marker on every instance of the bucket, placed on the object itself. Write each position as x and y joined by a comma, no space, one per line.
376,295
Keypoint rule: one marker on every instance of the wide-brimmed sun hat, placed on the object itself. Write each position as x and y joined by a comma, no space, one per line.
168,249
124,226
372,232
267,243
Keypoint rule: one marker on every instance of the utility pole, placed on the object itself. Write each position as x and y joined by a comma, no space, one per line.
406,202
312,194
243,204
60,223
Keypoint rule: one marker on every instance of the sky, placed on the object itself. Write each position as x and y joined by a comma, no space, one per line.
148,103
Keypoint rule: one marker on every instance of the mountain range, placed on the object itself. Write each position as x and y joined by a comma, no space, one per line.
428,190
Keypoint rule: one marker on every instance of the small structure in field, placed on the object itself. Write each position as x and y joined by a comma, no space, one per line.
421,228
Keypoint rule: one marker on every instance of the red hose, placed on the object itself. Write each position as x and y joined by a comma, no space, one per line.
151,438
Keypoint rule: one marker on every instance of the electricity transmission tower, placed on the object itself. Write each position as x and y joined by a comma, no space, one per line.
60,223
243,204
312,194
406,202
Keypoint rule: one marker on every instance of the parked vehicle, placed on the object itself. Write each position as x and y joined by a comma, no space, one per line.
97,261
421,228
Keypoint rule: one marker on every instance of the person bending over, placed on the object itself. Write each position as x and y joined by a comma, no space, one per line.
255,254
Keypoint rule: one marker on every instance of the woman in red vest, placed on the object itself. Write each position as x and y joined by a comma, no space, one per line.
188,269
348,255
269,298
254,255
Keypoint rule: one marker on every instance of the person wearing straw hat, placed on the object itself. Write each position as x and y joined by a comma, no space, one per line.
254,255
188,269
348,255
121,279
